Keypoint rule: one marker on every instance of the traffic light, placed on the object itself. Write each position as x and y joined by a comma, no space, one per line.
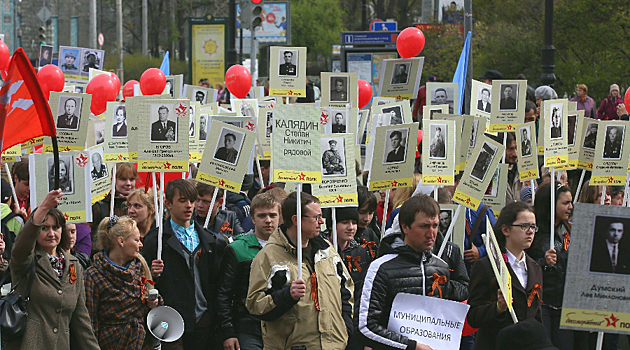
251,13
257,13
42,35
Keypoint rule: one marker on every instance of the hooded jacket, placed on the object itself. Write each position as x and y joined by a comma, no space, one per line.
320,320
396,272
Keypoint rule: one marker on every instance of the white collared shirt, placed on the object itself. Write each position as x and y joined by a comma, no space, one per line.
610,251
519,267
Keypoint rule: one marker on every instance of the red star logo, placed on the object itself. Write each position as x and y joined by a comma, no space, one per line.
250,126
167,165
180,109
509,127
66,149
529,173
66,216
324,117
290,92
120,157
440,179
271,105
612,320
301,177
610,180
394,183
339,199
590,166
558,160
189,156
82,159
221,182
468,201
399,97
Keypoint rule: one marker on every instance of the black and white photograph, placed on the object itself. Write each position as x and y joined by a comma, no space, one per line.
268,124
394,150
556,121
203,127
433,111
69,59
613,146
483,161
400,73
526,141
163,123
92,59
395,114
572,125
338,88
483,100
99,170
247,109
494,252
99,132
509,96
119,128
191,121
79,89
493,186
170,84
590,136
443,96
437,135
473,135
288,63
66,175
45,55
69,112
200,95
610,246
229,146
237,123
446,217
339,121
333,156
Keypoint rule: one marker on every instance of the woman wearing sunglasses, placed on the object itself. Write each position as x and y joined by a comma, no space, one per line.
515,230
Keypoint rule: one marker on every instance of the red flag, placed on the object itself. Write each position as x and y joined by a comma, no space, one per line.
24,112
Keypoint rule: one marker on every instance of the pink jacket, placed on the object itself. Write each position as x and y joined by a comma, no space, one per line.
608,109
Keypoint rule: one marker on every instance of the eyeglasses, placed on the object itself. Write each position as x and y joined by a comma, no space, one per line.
317,217
526,226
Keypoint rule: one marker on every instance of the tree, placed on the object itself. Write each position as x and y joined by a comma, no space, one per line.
316,25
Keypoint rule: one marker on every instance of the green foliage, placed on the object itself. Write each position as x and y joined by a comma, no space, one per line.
135,65
441,53
316,24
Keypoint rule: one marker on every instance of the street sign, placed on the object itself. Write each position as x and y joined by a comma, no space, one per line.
101,39
369,38
44,14
374,21
384,26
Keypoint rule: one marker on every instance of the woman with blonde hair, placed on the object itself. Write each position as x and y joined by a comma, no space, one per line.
141,209
402,194
117,286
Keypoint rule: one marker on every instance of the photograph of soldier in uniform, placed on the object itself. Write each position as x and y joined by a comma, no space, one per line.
203,127
191,121
509,96
163,126
339,123
395,114
68,112
287,63
99,170
395,141
66,175
92,59
556,121
333,159
609,247
70,63
437,148
526,141
443,96
400,74
338,88
590,137
247,109
614,142
485,157
229,146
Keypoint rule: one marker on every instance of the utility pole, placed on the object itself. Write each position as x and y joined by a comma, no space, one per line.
548,50
231,53
364,25
173,26
119,33
469,70
145,28
92,34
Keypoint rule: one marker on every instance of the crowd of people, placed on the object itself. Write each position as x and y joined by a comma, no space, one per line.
237,283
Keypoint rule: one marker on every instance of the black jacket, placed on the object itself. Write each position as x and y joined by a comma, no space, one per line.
458,283
100,210
397,271
176,283
226,222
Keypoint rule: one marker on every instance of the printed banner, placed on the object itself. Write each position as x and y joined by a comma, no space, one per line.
339,89
99,174
575,122
555,127
208,52
443,94
400,78
526,151
438,149
116,145
339,185
71,113
610,164
287,71
509,96
394,157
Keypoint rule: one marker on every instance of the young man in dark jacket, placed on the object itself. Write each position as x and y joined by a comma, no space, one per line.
237,327
398,272
221,221
187,273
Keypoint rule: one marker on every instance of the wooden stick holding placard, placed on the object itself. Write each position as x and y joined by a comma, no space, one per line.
552,189
112,193
161,228
531,185
15,198
156,203
603,197
579,187
212,201
224,199
260,177
299,228
450,231
334,228
385,208
600,341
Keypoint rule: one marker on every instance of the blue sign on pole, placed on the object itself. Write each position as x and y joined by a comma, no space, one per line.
368,38
384,26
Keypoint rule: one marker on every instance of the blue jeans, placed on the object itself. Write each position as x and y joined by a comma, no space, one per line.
249,341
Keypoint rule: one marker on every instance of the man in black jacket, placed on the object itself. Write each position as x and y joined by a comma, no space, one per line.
187,273
221,221
398,272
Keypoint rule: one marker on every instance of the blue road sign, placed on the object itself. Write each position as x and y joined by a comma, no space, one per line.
368,38
384,26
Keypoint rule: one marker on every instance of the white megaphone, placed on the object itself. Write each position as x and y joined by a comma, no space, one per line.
165,324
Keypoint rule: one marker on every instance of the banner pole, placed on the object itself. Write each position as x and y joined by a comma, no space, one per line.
224,199
334,228
161,228
212,201
15,198
299,228
531,184
600,340
603,196
113,190
450,230
385,205
156,203
579,186
552,189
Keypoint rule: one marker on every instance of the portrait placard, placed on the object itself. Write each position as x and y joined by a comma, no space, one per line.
438,150
447,212
575,121
478,172
226,157
508,97
71,113
173,86
443,94
136,107
499,266
429,111
380,100
99,173
610,164
399,112
339,89
496,191
200,94
339,185
287,71
76,62
362,121
587,143
526,151
245,108
296,144
400,77
74,182
267,102
460,153
481,99
163,135
339,120
45,55
116,146
96,130
193,130
265,129
394,157
555,130
596,290
476,132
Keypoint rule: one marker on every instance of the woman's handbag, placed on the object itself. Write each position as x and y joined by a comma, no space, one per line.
13,312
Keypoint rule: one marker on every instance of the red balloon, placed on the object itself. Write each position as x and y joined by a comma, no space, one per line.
3,74
103,89
238,81
128,88
152,82
410,42
365,93
5,56
626,100
116,81
50,78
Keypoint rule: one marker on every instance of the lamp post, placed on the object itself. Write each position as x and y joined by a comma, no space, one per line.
231,54
548,50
